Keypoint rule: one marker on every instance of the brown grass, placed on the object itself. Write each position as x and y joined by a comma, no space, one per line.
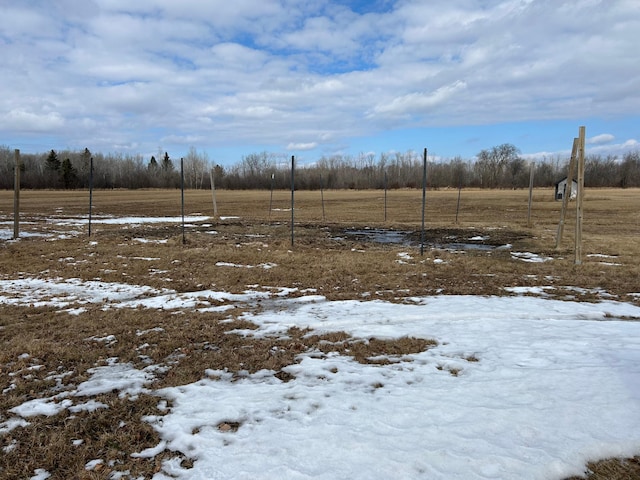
322,258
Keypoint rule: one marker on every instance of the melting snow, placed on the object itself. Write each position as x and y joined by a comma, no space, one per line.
517,387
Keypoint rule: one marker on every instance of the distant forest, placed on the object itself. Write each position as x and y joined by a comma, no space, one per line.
498,167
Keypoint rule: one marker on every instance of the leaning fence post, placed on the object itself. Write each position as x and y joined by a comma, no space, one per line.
580,197
566,195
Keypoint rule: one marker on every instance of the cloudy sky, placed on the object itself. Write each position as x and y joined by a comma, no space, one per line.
319,77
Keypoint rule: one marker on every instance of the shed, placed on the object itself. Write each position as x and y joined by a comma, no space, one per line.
561,187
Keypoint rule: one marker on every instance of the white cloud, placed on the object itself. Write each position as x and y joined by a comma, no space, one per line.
417,102
252,72
302,146
600,139
614,150
32,122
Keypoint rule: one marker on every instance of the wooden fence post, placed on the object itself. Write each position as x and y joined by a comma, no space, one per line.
213,193
580,197
271,196
385,181
566,195
322,197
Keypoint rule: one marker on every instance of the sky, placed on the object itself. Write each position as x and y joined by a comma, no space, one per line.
319,78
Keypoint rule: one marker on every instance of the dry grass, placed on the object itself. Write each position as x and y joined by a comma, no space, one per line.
62,347
613,469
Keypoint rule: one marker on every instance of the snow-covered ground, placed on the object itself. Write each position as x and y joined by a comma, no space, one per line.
541,387
65,226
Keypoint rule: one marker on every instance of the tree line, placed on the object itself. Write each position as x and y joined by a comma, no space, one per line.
497,167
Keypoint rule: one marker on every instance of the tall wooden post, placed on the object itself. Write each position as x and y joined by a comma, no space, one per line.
532,169
271,196
566,195
322,197
213,193
580,196
16,196
458,203
385,196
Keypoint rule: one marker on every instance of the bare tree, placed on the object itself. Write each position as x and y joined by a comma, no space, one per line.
196,167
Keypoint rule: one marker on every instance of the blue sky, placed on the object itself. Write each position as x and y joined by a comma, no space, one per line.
313,78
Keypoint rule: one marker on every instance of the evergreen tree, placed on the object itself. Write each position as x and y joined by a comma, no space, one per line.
52,163
153,164
68,174
167,164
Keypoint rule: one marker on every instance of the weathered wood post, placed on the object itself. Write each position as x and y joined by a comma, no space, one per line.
385,181
16,196
322,197
566,195
580,196
213,193
458,203
271,196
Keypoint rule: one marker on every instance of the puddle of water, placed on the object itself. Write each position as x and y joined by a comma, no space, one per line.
379,235
406,238
469,246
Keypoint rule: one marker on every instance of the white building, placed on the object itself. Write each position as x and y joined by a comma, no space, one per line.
561,187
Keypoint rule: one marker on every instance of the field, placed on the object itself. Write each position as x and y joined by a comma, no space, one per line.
152,350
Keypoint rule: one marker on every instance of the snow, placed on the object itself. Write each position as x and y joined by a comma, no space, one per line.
92,464
115,376
40,474
520,386
106,220
265,266
42,406
12,424
64,292
530,290
6,234
554,386
530,257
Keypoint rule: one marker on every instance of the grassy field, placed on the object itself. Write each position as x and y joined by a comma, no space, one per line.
323,256
248,233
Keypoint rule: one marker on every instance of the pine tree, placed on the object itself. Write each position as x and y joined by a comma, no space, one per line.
153,164
167,164
52,163
68,174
